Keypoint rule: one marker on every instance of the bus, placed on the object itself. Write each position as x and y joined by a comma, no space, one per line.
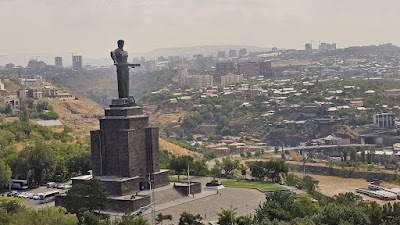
47,195
19,184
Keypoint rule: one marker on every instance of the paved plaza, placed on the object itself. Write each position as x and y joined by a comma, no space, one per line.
208,203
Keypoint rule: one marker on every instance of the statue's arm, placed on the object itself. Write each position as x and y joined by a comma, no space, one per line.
114,58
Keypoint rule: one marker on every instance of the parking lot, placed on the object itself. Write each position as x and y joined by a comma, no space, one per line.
33,201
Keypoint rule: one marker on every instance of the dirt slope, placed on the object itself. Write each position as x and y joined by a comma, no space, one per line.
79,114
165,145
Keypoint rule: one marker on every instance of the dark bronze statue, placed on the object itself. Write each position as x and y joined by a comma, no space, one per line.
120,58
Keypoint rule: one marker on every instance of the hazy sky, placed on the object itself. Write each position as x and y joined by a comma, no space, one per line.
91,27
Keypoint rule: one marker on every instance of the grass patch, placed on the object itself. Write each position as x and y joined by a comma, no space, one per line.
18,200
174,178
263,186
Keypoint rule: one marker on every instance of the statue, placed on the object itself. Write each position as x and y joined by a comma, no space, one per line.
120,58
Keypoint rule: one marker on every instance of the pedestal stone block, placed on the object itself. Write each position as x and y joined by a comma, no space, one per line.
125,151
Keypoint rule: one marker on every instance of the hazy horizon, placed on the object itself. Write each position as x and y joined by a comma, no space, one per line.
91,27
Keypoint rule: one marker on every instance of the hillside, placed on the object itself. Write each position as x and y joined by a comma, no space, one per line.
79,114
177,150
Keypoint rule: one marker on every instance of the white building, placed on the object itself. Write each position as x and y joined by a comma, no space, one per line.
385,120
231,78
194,81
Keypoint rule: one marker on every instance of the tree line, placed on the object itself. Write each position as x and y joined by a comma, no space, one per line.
45,155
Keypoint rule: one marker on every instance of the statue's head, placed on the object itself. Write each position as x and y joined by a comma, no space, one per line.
120,43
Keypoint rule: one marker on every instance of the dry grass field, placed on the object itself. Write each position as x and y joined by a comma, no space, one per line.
162,118
79,114
330,185
177,150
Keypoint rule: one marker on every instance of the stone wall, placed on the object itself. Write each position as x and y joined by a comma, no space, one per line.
160,179
195,187
346,173
114,204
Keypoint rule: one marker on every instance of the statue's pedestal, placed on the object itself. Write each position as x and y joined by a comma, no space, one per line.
123,102
125,151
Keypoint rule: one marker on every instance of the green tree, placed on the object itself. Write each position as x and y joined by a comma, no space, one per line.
47,216
309,184
304,206
243,170
229,165
277,206
353,154
7,109
333,214
249,154
55,216
26,216
79,162
5,174
39,159
180,164
190,219
49,115
292,180
6,138
227,216
363,160
161,217
90,218
199,168
4,216
132,220
258,171
271,169
88,196
216,171
244,220
347,198
24,117
10,206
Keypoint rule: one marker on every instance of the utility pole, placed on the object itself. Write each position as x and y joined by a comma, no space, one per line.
188,174
304,163
153,208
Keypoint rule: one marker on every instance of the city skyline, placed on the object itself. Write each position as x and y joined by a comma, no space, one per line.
91,28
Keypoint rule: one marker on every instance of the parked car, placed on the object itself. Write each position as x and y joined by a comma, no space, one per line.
22,195
51,185
29,195
37,196
67,186
60,186
12,194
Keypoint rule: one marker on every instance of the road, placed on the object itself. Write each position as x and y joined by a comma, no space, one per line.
211,163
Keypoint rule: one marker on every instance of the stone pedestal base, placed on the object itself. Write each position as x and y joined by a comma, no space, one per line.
160,179
123,204
129,203
183,187
123,102
119,186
